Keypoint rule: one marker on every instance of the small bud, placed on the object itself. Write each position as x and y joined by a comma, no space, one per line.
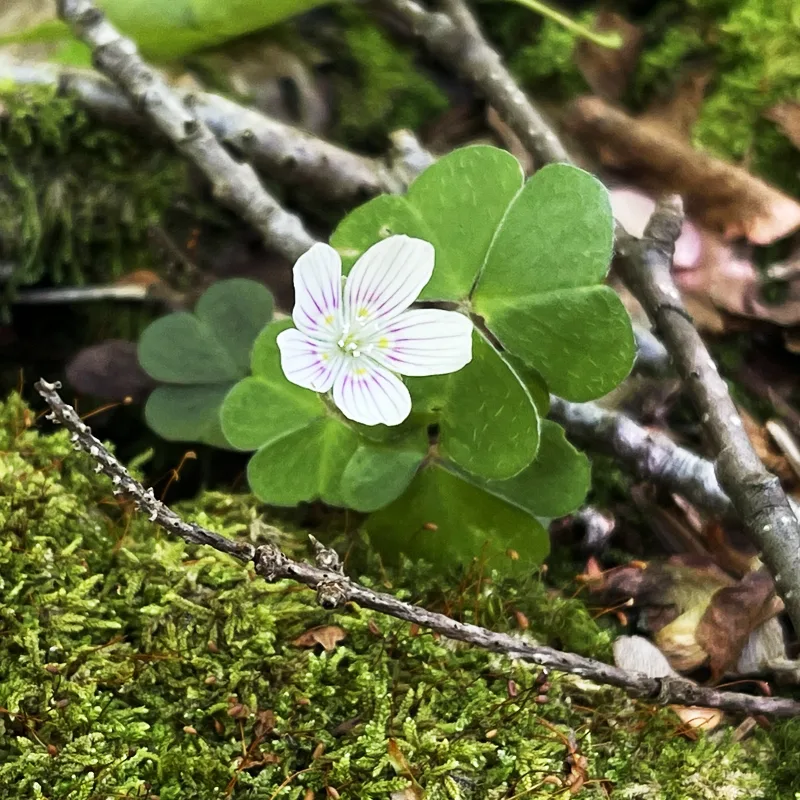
189,729
491,734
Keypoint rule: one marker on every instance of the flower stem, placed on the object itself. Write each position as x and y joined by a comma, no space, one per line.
612,40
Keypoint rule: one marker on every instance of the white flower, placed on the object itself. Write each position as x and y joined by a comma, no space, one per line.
357,340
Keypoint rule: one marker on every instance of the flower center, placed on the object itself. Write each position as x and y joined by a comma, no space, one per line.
351,342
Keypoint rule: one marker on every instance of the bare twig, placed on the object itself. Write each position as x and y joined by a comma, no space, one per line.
334,588
81,294
648,455
455,39
652,357
757,495
281,151
235,184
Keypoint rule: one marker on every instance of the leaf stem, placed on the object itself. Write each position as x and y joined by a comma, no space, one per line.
612,40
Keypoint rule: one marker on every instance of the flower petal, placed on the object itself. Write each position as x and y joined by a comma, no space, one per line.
387,279
365,392
308,362
425,341
318,293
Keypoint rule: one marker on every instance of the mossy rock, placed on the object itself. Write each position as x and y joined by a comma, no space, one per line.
132,665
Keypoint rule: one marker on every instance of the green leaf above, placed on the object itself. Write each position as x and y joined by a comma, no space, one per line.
303,465
265,406
187,413
377,474
540,289
182,349
557,481
580,340
445,518
199,356
488,422
456,204
236,310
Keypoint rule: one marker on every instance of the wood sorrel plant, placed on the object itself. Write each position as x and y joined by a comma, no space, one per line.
455,460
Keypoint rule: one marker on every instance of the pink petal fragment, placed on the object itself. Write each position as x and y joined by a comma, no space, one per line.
367,393
308,362
318,292
387,279
424,342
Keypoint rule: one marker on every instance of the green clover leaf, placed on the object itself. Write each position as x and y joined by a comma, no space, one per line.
199,356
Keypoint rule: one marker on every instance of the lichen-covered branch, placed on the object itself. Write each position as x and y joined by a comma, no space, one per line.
455,39
234,183
283,152
757,495
334,588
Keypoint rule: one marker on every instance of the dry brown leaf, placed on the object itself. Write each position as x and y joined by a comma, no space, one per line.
678,112
719,195
730,558
678,640
607,70
139,277
765,447
698,718
326,635
787,118
733,613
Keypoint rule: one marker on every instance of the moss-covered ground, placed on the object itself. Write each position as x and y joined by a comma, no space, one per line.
132,665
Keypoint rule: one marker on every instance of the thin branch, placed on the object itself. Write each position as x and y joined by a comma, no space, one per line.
648,455
757,495
281,151
235,184
334,589
455,39
652,357
81,294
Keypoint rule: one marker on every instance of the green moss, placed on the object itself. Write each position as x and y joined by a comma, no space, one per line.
73,209
134,666
547,61
382,89
753,46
